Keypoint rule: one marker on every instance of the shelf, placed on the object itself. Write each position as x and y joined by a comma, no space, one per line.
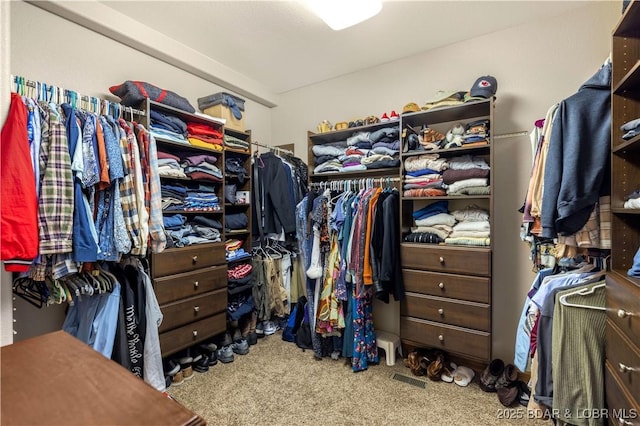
186,145
186,116
468,111
450,197
622,210
212,246
630,145
237,205
242,259
461,150
628,23
629,85
445,246
357,174
237,133
236,232
192,211
342,135
237,150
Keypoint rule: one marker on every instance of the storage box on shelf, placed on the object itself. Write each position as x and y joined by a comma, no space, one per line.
448,287
191,281
340,136
622,373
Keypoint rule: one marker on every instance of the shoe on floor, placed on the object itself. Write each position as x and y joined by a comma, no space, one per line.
508,377
490,375
260,330
177,379
225,354
227,340
462,376
269,328
185,367
210,350
172,368
240,347
201,363
252,338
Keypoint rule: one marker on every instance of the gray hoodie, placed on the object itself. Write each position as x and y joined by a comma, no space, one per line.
577,171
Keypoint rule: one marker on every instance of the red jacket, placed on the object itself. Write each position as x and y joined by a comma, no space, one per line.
18,199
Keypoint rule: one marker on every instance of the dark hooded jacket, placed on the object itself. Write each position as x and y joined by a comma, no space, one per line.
577,171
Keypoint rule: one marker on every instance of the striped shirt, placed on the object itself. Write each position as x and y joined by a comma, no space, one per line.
127,188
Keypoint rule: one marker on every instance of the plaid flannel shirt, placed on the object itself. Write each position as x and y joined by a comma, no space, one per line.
127,187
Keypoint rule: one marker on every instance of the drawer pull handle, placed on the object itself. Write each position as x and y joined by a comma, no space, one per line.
441,259
196,309
625,368
623,314
441,338
624,422
441,311
441,285
195,333
196,284
194,259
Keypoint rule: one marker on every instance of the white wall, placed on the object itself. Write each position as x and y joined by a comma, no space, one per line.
53,50
536,65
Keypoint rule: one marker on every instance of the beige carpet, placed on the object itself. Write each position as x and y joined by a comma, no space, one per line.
279,384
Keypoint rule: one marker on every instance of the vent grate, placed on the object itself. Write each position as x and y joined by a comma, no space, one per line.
410,380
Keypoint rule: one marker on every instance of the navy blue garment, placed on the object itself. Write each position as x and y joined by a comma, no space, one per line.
577,171
85,248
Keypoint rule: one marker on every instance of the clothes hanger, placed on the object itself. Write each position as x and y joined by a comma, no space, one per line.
583,292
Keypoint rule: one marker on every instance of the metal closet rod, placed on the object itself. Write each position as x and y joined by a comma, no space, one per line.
51,93
362,181
273,148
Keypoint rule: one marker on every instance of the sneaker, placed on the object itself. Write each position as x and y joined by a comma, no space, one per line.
260,330
269,328
394,116
225,354
177,379
227,340
490,375
252,338
240,347
384,117
172,368
210,350
201,363
237,335
185,367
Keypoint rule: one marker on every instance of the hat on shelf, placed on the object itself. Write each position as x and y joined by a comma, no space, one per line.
410,107
444,98
484,87
341,125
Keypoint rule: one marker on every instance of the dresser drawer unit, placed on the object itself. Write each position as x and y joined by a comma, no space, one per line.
454,286
463,260
623,306
190,334
192,309
449,311
458,340
187,284
174,260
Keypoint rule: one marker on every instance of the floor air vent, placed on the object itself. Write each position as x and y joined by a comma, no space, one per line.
410,380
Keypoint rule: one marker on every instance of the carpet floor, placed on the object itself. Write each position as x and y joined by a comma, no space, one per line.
279,384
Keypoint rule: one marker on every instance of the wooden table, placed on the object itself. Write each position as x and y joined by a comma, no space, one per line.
55,379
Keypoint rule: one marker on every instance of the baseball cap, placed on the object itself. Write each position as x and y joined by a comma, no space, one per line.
484,87
410,107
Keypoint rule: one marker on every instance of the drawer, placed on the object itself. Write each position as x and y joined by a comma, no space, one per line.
623,299
190,334
458,340
454,312
179,286
464,260
623,353
622,409
192,309
184,259
454,286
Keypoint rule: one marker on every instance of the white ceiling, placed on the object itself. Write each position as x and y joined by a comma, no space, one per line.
283,46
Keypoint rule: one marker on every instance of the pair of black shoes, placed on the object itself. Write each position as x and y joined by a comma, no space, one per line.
206,357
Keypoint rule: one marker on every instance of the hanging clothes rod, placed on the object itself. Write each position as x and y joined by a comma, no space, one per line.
356,182
273,148
50,93
511,135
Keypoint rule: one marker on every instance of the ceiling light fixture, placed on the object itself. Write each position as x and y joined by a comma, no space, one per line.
341,14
